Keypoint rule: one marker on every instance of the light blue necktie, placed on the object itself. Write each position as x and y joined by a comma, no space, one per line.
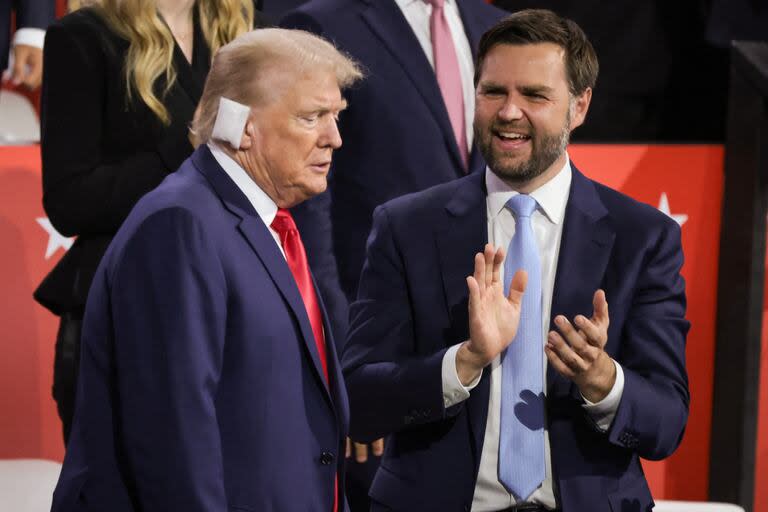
521,438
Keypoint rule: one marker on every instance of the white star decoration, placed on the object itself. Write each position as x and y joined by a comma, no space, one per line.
680,218
55,239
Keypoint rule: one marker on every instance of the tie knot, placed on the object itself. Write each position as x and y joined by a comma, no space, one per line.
436,4
283,222
522,205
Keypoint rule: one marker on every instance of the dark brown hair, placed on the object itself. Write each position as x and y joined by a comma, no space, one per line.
532,26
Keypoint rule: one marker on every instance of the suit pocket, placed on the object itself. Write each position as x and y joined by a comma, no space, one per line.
632,496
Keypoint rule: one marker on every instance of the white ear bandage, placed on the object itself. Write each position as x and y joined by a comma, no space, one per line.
230,122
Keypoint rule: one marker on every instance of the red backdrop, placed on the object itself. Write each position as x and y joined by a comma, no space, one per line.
684,180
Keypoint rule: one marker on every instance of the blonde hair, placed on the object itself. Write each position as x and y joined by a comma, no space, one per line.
150,54
244,69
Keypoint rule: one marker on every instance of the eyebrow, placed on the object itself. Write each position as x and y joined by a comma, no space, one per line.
536,89
325,110
491,87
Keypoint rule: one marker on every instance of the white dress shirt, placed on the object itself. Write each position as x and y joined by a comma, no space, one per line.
417,13
547,223
263,204
30,37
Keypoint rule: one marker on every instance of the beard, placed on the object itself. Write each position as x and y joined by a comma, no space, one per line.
546,149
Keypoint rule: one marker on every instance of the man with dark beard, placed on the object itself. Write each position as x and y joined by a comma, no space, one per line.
516,384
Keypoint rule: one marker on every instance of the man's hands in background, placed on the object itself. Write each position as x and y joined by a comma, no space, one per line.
26,68
361,449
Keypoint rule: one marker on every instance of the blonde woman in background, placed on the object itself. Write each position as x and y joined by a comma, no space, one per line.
121,83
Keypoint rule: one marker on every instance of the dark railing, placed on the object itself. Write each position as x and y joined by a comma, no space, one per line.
741,279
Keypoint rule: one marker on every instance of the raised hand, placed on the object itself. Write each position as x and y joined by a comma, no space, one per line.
577,352
493,316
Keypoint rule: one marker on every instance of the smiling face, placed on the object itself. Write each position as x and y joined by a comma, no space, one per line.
293,136
525,112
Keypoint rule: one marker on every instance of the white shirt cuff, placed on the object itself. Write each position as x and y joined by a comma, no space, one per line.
454,391
604,411
29,36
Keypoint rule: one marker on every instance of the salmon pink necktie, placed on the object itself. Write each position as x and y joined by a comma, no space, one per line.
448,74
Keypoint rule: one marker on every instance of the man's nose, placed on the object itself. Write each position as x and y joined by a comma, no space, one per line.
331,136
510,111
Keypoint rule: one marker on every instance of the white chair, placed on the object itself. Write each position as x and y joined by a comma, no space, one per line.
694,506
26,485
18,120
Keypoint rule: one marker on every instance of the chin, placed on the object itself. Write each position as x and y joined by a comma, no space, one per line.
313,189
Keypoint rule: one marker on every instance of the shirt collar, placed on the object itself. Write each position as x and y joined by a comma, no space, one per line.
551,197
264,205
404,4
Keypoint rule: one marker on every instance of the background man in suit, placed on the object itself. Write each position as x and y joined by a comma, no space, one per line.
209,379
556,416
32,18
409,127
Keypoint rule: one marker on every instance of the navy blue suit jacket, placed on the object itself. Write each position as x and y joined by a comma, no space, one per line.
200,384
412,306
29,14
396,132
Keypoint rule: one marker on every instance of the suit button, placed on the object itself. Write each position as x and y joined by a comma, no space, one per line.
326,458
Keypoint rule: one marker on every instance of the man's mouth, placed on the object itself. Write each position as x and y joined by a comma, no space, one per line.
510,140
321,166
511,136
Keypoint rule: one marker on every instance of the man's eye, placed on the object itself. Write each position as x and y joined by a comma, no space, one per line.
310,118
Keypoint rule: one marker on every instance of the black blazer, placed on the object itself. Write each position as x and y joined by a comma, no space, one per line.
101,152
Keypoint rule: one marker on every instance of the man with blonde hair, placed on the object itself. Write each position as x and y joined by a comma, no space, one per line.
209,377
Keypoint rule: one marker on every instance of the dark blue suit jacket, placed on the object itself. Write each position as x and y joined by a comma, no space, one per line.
396,132
412,306
29,14
200,384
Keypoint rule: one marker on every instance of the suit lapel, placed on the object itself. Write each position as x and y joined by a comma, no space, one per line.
190,76
585,249
261,241
465,233
386,21
472,26
338,391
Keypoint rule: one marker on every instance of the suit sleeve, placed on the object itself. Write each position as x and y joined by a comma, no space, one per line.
34,13
653,411
169,307
83,192
392,384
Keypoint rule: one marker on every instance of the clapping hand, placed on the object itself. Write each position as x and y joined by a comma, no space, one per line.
493,316
578,351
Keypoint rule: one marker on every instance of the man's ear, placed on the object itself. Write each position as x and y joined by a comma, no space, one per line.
246,141
579,106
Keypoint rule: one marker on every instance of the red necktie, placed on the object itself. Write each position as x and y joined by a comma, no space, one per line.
296,257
